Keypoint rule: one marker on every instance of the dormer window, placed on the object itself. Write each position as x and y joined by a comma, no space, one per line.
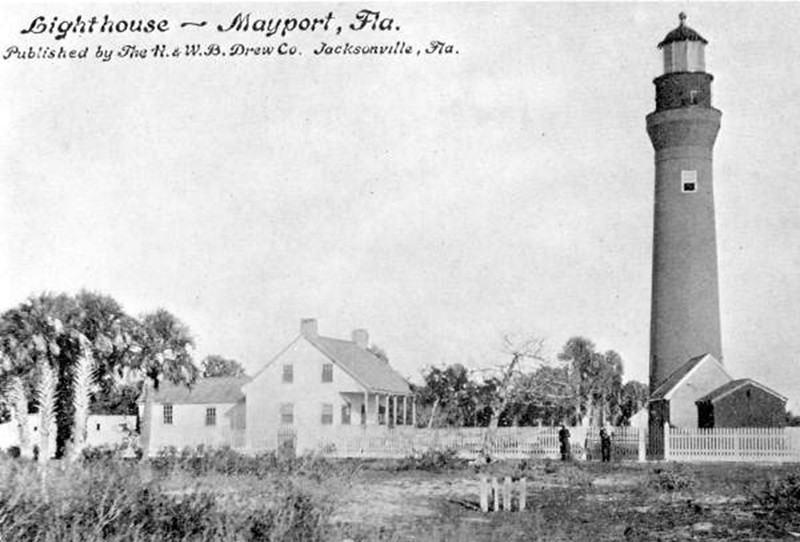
688,181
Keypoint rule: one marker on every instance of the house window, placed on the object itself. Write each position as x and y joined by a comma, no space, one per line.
327,414
287,413
693,97
288,373
211,416
688,180
167,414
327,372
346,414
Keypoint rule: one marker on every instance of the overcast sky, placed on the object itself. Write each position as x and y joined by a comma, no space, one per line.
440,202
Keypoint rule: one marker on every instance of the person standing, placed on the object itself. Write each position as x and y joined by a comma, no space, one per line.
563,440
605,445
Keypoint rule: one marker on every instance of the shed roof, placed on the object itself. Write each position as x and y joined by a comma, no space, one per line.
674,380
220,389
734,385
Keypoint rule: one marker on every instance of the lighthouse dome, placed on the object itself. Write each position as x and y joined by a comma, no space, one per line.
682,33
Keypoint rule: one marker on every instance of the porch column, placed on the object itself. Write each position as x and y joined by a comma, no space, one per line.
386,411
366,408
414,411
394,407
405,410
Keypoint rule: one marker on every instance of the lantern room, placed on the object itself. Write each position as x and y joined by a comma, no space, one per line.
683,49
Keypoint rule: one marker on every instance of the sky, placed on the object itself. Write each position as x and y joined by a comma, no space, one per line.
439,201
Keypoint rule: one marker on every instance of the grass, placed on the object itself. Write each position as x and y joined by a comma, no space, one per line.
221,495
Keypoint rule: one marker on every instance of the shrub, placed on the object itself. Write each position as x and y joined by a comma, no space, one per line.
433,461
673,477
780,498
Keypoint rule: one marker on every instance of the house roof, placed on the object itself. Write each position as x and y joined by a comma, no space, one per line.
361,364
734,385
220,389
369,370
674,380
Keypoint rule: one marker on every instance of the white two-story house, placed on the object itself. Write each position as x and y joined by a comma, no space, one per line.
319,385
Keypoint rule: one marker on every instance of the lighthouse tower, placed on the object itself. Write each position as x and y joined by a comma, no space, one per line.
685,320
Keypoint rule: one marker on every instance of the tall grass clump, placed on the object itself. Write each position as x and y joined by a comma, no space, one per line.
673,477
118,502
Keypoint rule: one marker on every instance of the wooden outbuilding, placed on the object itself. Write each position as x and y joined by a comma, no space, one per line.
741,403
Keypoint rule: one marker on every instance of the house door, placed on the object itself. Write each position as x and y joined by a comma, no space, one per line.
287,442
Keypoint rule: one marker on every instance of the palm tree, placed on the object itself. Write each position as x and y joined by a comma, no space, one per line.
163,352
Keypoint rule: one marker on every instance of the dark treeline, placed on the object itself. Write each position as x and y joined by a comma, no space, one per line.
581,387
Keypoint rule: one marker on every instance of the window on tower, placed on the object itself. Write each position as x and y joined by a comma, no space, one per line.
688,181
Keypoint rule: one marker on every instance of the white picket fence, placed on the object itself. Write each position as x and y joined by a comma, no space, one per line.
504,443
756,444
627,443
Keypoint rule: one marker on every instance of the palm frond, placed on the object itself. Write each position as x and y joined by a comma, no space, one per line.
81,386
19,404
46,396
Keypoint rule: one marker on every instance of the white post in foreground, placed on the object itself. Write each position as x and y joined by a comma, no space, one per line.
666,441
507,494
642,446
484,494
523,493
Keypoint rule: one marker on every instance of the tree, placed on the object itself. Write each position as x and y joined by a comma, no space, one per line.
59,330
215,365
543,395
634,397
379,353
163,352
507,377
596,380
448,395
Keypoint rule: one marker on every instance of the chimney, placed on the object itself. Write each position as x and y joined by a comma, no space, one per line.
361,338
308,327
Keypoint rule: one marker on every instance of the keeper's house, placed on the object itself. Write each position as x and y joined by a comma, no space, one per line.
314,387
317,386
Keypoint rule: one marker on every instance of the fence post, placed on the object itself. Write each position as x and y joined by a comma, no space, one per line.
484,494
666,441
736,444
642,446
507,494
523,493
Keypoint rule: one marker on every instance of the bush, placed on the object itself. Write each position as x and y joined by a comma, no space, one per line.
673,477
433,461
780,498
202,461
